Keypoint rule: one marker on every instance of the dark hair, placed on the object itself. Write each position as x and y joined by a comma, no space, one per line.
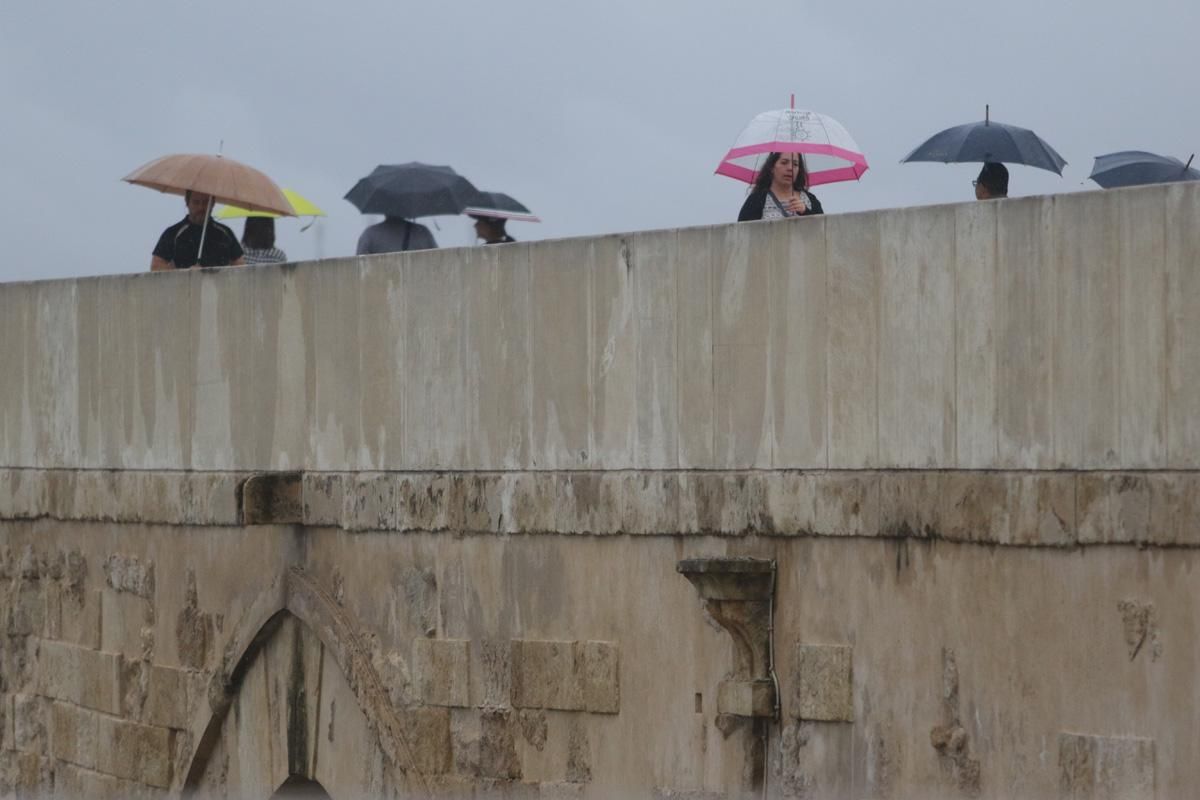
259,233
766,172
994,177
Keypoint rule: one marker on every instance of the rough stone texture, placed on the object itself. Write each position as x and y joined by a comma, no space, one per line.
273,499
74,781
497,745
824,683
1035,509
75,734
441,670
323,498
134,752
76,675
1105,767
1140,622
568,676
169,696
127,573
30,715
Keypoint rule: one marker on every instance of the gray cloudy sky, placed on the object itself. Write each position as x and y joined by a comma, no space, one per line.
601,117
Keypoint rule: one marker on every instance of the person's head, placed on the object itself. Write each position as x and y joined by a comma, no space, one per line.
782,169
992,181
490,229
197,205
259,233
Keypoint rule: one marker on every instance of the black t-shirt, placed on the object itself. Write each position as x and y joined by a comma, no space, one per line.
179,243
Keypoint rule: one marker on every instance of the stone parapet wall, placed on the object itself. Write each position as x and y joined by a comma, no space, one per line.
1036,509
1034,333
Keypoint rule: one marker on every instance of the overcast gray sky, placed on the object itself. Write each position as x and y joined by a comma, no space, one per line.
601,117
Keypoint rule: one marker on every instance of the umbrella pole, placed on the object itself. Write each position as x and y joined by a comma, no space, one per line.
1189,163
204,230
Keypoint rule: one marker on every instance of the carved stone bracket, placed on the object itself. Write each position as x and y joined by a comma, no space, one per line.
737,593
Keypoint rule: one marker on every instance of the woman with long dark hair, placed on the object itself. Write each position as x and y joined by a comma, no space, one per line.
258,242
780,190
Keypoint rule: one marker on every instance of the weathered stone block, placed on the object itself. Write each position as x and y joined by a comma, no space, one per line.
909,505
491,673
428,732
6,723
73,617
478,503
792,502
27,613
1113,508
598,670
170,696
646,502
746,698
1175,509
824,683
974,507
72,781
211,498
74,734
846,503
465,733
273,498
422,502
30,718
528,502
23,494
370,503
497,745
98,495
593,502
25,775
76,675
127,625
441,670
159,497
129,574
135,752
1101,766
1042,509
324,499
543,675
567,676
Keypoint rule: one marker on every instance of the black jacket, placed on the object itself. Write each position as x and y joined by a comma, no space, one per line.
753,207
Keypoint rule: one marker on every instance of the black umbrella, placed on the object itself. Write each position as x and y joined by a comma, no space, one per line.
989,141
498,205
412,190
1137,167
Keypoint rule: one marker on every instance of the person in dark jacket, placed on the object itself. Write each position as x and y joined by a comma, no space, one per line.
780,190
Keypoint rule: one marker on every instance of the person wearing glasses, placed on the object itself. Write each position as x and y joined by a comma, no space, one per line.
992,183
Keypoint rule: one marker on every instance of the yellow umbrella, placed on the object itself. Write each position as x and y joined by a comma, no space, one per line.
301,207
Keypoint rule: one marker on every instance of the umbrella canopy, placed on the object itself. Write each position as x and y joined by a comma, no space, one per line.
831,154
988,141
301,207
1137,167
498,205
412,190
225,180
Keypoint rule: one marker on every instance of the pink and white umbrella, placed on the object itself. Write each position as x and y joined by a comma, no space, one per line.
830,153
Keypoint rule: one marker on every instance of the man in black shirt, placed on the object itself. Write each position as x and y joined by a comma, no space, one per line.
178,245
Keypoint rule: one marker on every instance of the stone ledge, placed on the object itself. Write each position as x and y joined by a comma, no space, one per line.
1021,508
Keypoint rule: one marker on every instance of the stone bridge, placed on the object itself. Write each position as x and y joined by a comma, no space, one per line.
881,505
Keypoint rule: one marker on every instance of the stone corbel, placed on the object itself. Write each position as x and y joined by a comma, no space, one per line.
737,593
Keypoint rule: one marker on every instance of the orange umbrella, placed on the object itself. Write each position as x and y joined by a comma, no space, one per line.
223,179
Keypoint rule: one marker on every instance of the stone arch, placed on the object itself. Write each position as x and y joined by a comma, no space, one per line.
295,605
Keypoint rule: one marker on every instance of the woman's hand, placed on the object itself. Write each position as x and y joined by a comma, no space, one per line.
796,205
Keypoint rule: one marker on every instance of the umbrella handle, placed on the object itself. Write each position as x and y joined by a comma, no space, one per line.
1189,163
204,230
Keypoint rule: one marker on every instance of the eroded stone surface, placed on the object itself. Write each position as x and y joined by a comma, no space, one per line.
824,683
